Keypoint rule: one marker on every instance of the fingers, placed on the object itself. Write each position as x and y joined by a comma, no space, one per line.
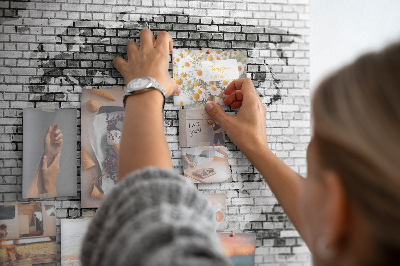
48,131
55,128
132,48
235,99
164,42
245,85
177,92
119,63
147,40
218,113
60,142
59,136
248,93
44,163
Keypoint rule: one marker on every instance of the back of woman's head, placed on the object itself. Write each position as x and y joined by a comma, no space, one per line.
356,116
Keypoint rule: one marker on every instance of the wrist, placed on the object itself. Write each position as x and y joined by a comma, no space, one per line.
256,149
149,100
49,188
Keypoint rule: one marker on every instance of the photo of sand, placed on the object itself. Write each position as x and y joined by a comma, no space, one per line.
72,234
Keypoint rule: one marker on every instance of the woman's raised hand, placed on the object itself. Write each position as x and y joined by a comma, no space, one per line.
247,129
150,59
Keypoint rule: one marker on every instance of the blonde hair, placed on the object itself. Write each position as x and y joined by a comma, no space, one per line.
356,115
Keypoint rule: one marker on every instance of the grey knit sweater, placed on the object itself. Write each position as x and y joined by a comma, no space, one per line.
154,217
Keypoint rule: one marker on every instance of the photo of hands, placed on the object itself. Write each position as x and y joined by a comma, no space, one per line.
207,164
49,151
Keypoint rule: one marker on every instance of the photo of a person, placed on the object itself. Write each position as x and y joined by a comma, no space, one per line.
10,250
44,182
216,129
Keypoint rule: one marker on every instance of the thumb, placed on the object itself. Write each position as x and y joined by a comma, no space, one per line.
218,113
56,159
44,163
49,131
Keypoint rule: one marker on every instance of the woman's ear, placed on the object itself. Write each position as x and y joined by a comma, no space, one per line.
337,212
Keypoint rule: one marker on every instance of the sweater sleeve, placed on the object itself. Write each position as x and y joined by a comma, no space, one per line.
154,217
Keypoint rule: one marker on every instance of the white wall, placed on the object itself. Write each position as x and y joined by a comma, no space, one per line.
340,30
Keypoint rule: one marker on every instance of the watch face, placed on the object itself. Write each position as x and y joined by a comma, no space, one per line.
140,83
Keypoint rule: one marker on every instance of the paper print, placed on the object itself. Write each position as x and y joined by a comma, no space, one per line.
204,74
239,247
198,128
72,234
29,235
102,117
206,164
218,201
49,152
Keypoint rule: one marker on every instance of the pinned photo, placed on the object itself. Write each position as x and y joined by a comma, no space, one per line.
49,152
102,117
218,201
206,164
239,247
72,234
198,128
28,233
204,74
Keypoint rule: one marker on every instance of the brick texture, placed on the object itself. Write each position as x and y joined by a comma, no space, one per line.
50,50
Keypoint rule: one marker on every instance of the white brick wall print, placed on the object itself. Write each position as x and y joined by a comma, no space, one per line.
51,50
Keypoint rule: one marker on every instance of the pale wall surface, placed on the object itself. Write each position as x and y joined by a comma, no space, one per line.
50,50
342,30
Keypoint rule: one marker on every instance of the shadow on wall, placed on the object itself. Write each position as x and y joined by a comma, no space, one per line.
90,46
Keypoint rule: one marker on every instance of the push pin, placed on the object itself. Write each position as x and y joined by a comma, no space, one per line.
232,234
209,51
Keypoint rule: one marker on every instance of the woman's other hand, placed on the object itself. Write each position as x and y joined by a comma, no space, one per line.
53,142
150,59
50,174
247,129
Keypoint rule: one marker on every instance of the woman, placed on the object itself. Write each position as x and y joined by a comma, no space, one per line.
347,209
217,129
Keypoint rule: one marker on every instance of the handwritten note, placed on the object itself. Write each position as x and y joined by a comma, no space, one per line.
194,128
219,70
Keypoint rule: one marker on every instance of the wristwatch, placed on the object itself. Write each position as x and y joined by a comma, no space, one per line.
143,85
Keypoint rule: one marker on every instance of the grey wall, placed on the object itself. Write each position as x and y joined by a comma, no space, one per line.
50,50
